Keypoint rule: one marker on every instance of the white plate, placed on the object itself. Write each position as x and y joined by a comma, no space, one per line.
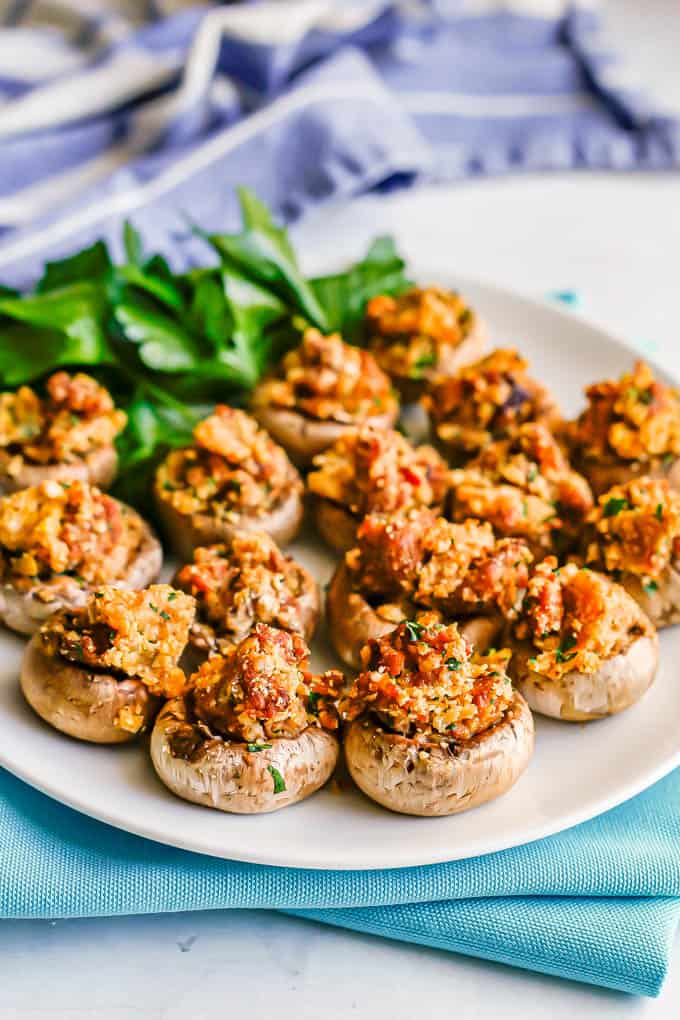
578,771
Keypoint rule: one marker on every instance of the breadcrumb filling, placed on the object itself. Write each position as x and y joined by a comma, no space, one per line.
378,471
327,379
409,333
262,689
139,634
424,678
233,469
635,418
75,417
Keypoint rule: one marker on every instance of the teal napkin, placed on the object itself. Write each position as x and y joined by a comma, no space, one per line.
598,903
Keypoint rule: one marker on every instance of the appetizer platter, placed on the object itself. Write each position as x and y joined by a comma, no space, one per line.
388,576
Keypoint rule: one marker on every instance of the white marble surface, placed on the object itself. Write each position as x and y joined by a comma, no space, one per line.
616,240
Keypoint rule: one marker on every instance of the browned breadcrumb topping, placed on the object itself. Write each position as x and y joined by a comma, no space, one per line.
262,689
330,380
577,619
378,471
452,568
243,583
66,528
635,418
486,400
75,416
423,678
409,333
139,634
636,529
234,469
523,486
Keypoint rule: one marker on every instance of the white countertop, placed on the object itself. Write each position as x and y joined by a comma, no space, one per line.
614,240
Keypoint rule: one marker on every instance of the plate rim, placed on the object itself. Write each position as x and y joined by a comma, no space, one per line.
486,846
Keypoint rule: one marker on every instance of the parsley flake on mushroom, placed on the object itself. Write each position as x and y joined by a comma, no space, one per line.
59,540
581,648
256,731
65,435
321,390
234,478
99,672
433,729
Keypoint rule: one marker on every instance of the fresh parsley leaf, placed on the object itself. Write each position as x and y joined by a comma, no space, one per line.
132,241
279,781
453,663
567,644
93,263
659,511
650,586
260,747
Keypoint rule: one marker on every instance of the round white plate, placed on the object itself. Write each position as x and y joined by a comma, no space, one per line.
577,772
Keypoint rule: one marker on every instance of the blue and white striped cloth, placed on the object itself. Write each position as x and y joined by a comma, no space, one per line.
155,109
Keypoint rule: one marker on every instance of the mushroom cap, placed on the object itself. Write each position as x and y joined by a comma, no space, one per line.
352,621
661,604
24,611
419,777
579,697
336,525
81,702
186,532
98,467
451,359
225,775
603,475
303,437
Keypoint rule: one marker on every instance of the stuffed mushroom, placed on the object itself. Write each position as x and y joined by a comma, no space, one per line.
372,471
425,332
66,435
633,534
433,729
524,487
98,673
485,401
581,648
321,390
412,563
256,731
244,582
234,478
58,541
630,428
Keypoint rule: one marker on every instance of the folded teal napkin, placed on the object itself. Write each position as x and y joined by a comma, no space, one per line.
598,903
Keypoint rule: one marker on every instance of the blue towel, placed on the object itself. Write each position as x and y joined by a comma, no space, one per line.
157,118
597,903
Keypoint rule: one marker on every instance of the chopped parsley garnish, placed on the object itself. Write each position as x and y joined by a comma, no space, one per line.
525,508
421,363
615,505
279,781
172,596
99,594
164,615
258,747
153,606
414,630
561,652
650,586
453,663
659,511
313,700
532,472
